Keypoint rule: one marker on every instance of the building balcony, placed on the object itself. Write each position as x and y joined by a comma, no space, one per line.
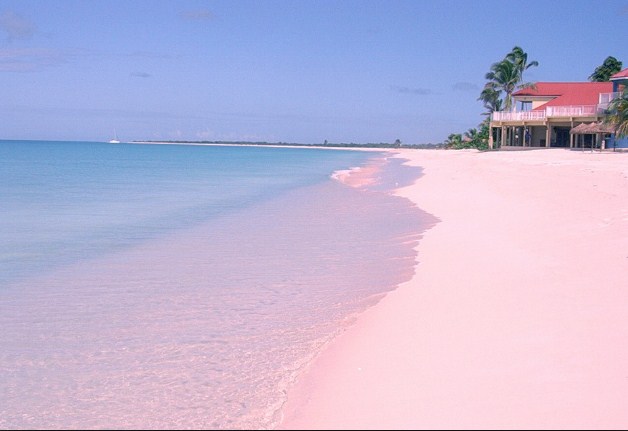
519,116
575,111
551,111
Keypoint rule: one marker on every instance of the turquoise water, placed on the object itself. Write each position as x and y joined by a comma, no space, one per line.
169,286
63,201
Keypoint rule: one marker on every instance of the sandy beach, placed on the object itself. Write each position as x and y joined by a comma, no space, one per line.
516,317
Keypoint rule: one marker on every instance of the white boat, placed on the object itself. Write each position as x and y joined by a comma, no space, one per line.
115,139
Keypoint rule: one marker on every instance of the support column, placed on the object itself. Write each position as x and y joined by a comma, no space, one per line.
595,142
490,137
571,135
548,135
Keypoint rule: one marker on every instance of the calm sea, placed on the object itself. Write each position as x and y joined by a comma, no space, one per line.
172,286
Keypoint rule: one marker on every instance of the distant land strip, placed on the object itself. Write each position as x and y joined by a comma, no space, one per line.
326,144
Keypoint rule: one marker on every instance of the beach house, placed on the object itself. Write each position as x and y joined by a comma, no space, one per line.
559,114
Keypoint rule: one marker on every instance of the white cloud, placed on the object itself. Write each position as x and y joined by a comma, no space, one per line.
16,27
28,59
149,54
197,15
408,90
141,75
205,135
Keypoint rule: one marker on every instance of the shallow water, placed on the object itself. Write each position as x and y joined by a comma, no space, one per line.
203,322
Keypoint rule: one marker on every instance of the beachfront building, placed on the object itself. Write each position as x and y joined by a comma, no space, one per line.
552,114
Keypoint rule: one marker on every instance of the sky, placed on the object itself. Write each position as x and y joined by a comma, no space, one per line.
298,71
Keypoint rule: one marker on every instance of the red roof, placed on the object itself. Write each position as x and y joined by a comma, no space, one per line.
620,74
568,93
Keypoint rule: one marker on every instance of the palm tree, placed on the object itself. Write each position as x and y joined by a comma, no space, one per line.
507,76
520,58
618,114
491,100
604,72
471,134
503,77
453,140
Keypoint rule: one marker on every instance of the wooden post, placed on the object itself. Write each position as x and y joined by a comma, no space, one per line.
490,136
571,135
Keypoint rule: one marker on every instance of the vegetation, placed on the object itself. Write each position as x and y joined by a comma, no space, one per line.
618,114
472,138
607,69
491,100
504,78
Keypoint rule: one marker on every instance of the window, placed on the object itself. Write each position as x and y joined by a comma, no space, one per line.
526,106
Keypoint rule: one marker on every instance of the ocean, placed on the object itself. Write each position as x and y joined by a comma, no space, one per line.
182,286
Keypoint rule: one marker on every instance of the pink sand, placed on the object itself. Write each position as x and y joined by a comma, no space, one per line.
517,316
363,176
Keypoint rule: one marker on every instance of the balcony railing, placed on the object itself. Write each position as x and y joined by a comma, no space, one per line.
519,116
551,111
573,111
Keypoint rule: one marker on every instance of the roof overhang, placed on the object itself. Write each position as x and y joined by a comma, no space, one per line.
622,75
533,98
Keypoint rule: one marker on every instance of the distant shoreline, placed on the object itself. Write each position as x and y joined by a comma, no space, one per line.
381,145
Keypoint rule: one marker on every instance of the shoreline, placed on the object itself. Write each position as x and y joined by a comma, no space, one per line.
246,298
515,315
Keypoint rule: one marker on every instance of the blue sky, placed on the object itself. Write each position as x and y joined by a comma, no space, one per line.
280,71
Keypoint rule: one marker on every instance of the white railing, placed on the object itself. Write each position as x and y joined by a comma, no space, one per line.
519,116
551,111
572,111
